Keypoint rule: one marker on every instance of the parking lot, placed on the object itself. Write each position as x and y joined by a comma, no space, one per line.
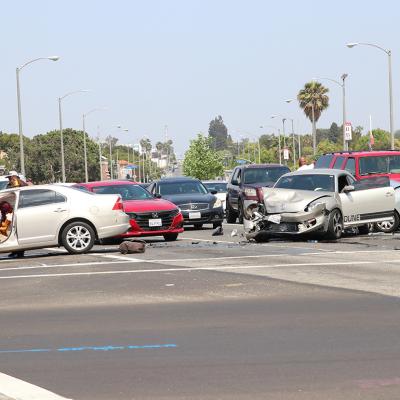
206,317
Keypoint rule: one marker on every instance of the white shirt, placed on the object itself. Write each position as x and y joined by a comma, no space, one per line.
306,166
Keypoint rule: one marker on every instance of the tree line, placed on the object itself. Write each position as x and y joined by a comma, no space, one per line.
43,155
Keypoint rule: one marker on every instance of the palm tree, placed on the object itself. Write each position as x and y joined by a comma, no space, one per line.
313,100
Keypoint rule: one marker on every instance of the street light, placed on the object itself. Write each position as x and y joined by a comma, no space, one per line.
61,128
389,54
84,138
343,86
21,135
279,139
283,129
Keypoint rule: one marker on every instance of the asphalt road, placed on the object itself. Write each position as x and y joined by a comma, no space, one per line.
207,318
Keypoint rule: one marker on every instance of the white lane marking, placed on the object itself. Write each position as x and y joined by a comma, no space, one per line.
206,240
117,257
21,390
189,269
127,260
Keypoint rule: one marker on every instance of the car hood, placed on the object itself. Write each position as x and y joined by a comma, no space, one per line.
289,200
138,206
190,198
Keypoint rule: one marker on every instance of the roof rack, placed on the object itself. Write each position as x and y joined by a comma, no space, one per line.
355,151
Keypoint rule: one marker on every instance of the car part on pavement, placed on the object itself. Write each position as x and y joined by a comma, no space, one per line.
132,246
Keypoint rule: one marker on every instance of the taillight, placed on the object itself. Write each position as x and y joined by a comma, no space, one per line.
119,205
260,194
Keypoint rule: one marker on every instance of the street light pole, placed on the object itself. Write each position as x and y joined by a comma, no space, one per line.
20,131
314,132
61,130
84,140
389,54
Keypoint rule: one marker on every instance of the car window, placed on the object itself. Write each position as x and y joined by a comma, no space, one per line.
351,165
39,197
185,187
315,182
80,187
324,161
220,187
374,165
264,175
127,192
342,182
239,176
338,162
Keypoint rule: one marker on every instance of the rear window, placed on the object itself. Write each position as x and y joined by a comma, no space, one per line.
127,192
264,175
220,187
324,161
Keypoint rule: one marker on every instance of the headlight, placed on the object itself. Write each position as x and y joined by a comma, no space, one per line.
218,203
250,192
313,205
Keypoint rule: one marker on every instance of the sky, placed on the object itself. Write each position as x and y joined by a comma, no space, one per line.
180,63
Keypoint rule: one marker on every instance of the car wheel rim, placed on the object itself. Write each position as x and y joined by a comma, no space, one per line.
337,224
78,238
385,225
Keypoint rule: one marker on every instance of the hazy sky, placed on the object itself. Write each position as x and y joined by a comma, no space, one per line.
181,62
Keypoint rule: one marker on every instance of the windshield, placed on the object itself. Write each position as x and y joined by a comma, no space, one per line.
220,187
181,188
127,192
325,183
380,165
263,175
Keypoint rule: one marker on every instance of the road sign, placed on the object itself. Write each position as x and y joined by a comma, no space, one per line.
286,154
347,131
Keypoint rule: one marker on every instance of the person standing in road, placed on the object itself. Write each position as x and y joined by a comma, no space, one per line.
303,164
14,180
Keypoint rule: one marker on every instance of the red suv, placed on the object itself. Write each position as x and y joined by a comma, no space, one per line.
149,215
364,164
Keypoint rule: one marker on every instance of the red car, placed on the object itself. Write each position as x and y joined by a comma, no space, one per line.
149,216
364,164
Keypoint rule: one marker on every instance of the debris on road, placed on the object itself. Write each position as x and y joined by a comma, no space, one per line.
131,247
234,233
218,231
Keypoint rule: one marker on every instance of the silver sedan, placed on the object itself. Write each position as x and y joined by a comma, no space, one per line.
319,201
34,217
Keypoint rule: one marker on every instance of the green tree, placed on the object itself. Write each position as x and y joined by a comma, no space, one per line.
381,139
334,133
219,133
201,161
313,97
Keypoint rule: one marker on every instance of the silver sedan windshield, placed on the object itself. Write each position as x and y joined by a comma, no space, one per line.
315,182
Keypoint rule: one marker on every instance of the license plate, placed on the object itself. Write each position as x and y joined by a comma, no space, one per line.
195,215
155,222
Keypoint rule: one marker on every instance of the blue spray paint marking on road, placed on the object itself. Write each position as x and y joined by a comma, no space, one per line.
95,348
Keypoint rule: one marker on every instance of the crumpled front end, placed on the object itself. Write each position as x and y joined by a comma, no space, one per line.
275,221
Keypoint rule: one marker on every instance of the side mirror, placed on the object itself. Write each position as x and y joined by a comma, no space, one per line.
157,195
348,188
213,191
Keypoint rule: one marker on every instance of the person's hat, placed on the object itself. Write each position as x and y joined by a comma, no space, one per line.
12,173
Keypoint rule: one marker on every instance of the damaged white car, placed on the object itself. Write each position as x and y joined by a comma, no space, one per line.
322,201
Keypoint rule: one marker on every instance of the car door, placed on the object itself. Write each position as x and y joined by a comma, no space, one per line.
365,204
40,214
10,242
234,188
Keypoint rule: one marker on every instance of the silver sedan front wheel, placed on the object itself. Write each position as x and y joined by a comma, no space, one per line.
78,237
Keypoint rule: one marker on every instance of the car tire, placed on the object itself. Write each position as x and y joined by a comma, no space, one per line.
78,237
231,214
388,226
240,212
198,226
335,225
170,237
